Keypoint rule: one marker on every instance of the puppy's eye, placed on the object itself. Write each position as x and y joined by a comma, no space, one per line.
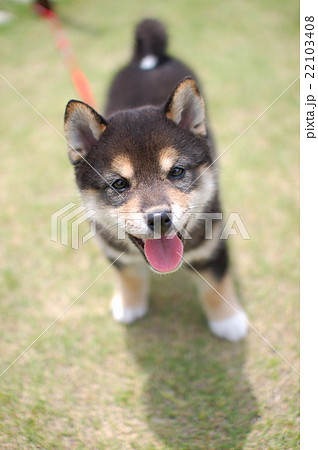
120,184
176,172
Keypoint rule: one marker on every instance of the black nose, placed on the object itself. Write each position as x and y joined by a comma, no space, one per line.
159,221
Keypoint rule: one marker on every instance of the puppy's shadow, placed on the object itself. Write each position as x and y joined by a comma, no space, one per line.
196,394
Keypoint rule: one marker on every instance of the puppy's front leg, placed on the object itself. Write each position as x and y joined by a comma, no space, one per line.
130,301
225,316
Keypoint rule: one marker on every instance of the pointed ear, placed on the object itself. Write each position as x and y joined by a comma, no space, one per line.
186,107
83,127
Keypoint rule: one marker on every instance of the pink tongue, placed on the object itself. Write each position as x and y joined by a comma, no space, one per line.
164,254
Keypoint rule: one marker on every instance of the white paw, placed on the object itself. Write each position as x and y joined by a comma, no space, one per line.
126,314
233,328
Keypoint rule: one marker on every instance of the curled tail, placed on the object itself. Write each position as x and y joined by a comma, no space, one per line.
150,43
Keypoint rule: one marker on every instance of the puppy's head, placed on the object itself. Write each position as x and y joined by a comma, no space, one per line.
140,171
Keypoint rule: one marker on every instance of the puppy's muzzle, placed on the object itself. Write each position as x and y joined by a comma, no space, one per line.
159,222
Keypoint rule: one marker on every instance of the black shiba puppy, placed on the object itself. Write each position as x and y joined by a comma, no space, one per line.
147,170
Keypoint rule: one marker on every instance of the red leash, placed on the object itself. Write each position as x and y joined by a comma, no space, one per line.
44,10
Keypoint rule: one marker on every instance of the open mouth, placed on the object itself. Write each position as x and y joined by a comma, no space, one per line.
163,254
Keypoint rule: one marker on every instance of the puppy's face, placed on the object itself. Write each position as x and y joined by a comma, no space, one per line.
140,171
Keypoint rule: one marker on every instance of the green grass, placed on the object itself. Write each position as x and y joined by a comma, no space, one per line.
164,382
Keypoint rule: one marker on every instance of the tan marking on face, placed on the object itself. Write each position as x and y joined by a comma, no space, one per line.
180,199
179,202
131,218
105,214
119,219
123,166
167,158
131,206
196,200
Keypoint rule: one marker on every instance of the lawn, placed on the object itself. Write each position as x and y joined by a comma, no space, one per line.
164,382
